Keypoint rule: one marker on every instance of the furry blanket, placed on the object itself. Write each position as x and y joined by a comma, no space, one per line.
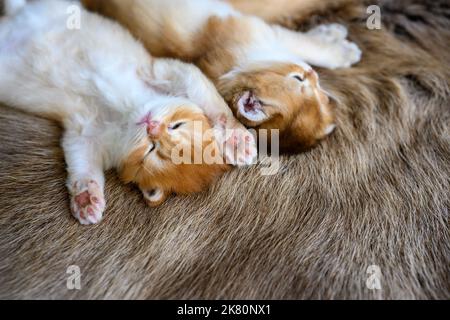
376,193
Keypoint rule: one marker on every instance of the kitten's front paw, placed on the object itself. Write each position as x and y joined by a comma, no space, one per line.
347,54
237,144
333,38
88,202
329,32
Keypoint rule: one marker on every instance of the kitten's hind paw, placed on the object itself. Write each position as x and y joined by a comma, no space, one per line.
88,202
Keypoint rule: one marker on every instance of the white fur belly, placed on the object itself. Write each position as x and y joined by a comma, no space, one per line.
36,18
14,42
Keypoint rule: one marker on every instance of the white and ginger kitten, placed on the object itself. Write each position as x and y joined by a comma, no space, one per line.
120,108
260,69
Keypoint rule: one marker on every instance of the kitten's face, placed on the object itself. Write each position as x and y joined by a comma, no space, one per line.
151,163
281,96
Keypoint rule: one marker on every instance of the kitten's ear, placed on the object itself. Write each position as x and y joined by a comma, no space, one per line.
154,197
328,105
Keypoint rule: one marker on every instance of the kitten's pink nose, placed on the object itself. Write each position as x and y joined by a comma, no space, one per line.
154,129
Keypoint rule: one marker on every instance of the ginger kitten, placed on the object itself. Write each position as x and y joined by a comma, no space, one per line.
120,107
261,70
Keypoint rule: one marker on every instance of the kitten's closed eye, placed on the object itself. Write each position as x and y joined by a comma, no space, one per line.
299,78
176,126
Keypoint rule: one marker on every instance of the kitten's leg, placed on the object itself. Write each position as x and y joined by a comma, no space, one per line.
325,46
85,178
237,143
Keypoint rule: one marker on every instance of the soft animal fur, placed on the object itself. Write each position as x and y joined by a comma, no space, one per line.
258,68
114,102
374,193
279,10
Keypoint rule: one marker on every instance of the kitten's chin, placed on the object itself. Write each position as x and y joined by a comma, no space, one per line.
250,110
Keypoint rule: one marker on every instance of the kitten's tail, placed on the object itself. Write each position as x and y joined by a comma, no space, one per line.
11,7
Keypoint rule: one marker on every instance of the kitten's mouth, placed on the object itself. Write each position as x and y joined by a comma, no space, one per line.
251,108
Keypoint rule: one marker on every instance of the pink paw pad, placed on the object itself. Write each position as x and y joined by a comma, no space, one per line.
88,202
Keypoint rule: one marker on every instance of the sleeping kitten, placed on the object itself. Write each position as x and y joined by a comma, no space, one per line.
261,70
118,105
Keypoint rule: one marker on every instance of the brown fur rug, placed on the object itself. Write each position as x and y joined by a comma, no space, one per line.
375,193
